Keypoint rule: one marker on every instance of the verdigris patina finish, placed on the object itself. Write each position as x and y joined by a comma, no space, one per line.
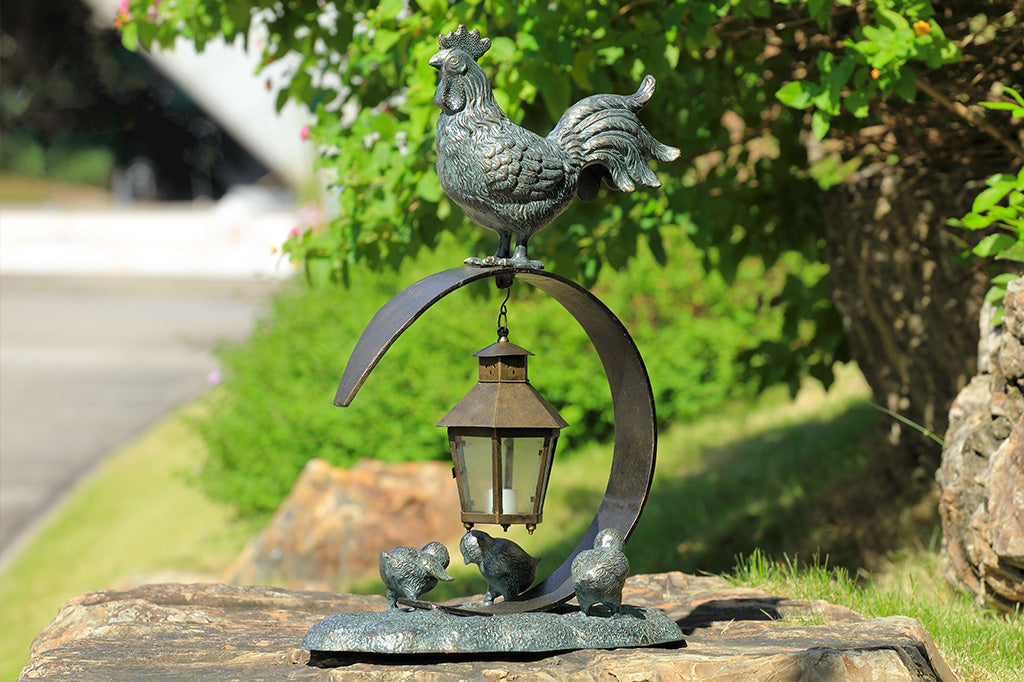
506,566
598,574
635,435
515,182
408,572
427,632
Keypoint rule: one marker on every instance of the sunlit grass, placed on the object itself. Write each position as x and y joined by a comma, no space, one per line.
982,645
138,516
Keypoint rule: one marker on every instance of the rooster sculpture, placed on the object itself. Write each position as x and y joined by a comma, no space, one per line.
515,182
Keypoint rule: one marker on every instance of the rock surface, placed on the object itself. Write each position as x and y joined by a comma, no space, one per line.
335,522
982,472
220,632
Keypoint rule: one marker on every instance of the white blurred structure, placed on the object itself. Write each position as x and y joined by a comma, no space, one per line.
223,81
236,237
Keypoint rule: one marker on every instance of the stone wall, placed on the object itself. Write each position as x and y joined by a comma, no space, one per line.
982,471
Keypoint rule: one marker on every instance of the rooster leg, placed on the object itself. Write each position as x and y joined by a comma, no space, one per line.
500,257
504,245
520,260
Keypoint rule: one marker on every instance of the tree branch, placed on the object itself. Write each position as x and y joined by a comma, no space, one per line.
971,117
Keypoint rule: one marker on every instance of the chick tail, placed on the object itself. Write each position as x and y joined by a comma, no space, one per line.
606,141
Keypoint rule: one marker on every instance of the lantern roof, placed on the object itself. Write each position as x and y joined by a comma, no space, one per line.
501,347
503,397
504,405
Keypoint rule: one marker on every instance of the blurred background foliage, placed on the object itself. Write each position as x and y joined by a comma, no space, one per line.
275,408
723,274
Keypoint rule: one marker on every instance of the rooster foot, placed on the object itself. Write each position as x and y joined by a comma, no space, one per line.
494,262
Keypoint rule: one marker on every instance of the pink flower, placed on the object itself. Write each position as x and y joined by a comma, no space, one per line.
294,232
304,133
310,215
214,378
122,17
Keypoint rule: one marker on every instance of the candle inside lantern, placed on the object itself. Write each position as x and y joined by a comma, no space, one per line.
509,501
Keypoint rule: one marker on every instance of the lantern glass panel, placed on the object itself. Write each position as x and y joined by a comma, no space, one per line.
472,456
521,460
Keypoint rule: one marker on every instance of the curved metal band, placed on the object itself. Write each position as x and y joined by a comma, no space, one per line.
632,401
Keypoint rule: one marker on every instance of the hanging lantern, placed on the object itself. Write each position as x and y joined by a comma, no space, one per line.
502,436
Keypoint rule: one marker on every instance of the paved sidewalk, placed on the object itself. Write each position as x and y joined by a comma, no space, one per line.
108,316
88,363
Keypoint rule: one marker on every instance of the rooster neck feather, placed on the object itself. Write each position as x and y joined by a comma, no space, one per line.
467,93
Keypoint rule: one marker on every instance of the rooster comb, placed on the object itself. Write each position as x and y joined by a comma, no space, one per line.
469,42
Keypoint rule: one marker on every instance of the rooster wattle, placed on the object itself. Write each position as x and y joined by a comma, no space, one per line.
515,182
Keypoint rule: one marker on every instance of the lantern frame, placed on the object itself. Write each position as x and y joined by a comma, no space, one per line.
635,440
504,410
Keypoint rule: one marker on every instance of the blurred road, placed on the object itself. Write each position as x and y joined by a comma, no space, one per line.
89,362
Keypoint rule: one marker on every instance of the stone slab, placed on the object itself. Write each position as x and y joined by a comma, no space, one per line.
221,632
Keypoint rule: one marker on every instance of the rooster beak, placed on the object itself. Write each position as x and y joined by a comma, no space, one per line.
436,61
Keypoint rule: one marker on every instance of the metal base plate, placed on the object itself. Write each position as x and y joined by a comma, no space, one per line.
398,631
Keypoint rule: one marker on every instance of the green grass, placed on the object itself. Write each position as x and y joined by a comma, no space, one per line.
981,645
138,516
757,479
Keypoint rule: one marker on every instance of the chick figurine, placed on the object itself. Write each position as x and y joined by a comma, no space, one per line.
506,566
408,572
598,574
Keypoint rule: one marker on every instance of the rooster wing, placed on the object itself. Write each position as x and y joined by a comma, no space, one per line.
520,166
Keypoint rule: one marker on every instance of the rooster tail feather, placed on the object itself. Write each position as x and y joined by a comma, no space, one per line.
606,141
644,92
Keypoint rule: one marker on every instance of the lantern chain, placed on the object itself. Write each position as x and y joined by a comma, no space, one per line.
503,315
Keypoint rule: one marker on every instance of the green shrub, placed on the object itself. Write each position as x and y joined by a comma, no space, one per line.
21,155
89,165
275,409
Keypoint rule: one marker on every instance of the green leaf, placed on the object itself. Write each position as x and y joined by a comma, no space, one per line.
975,221
879,36
1014,252
892,20
858,103
503,49
820,12
1003,106
429,187
991,196
612,54
238,14
432,7
993,244
390,8
995,295
820,123
794,94
554,90
130,36
906,85
282,99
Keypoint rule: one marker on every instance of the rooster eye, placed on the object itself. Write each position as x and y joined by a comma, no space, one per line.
455,63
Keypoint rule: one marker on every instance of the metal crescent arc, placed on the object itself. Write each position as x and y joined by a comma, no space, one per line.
635,445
